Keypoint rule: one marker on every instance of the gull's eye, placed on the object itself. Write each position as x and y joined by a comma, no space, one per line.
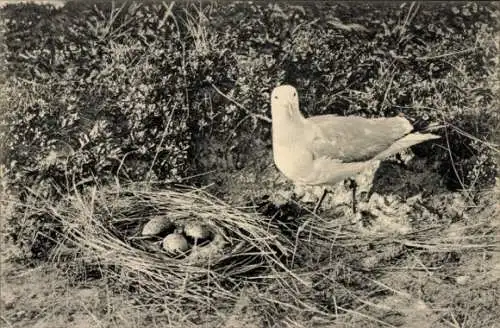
294,94
275,97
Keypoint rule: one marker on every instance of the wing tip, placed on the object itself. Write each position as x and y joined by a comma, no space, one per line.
426,136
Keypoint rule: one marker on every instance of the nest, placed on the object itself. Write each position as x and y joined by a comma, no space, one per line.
105,223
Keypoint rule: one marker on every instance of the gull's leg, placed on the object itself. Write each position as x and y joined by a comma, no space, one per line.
318,204
353,186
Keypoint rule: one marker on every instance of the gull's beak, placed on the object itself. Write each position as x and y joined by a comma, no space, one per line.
292,109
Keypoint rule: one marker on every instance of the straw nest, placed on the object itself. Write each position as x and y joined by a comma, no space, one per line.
105,225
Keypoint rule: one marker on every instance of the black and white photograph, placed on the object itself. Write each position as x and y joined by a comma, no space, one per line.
249,164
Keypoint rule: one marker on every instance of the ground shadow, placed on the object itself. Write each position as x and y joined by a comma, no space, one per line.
407,179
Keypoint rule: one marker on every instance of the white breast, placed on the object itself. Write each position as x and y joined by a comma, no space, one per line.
294,162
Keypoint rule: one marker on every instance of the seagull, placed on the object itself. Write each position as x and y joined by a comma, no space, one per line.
324,150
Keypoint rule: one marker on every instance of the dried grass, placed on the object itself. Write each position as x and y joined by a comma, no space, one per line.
102,222
307,266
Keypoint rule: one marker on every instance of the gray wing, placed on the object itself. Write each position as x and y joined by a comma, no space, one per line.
353,138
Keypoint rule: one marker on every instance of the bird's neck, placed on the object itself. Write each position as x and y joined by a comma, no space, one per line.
288,129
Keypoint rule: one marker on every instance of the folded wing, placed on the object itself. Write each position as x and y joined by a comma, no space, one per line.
353,139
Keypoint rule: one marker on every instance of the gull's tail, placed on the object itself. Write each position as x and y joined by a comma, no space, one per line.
406,142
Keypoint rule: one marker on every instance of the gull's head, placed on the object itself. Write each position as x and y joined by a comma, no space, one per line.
285,103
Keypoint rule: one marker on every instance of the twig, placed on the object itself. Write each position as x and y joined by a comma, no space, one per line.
387,90
443,247
165,132
490,145
236,127
446,55
453,164
408,19
369,317
395,291
393,54
6,321
259,116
